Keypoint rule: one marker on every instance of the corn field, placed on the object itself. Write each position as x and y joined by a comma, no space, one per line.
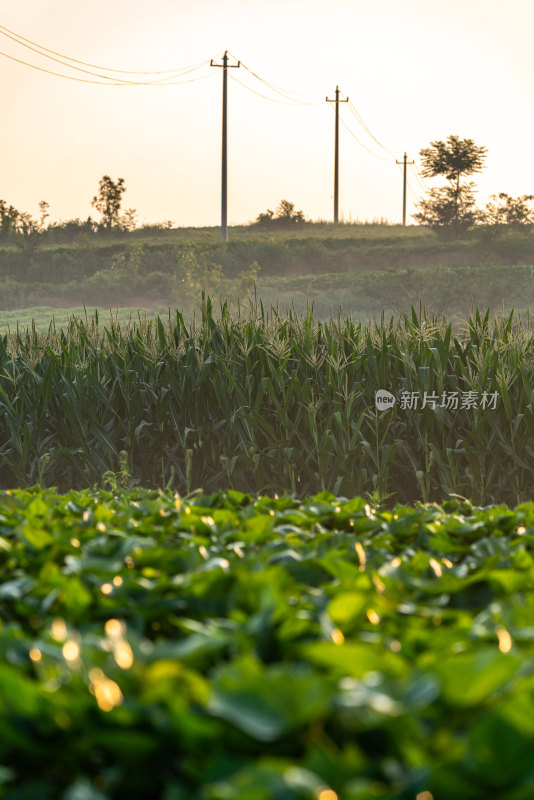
264,402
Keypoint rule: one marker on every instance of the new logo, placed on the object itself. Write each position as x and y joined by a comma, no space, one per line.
384,400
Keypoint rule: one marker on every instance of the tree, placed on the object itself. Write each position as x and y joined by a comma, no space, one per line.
506,210
196,273
453,204
43,208
108,201
448,206
285,215
8,219
21,226
286,212
266,218
28,228
128,222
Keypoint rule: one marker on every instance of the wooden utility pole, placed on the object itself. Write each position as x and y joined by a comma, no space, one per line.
405,162
224,193
337,101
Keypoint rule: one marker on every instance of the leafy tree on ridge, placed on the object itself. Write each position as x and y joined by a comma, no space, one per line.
454,204
108,201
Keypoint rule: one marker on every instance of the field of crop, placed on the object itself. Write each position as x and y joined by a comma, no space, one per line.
42,317
220,596
263,402
452,290
231,648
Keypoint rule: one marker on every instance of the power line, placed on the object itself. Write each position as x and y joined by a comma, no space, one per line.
102,83
415,194
292,101
177,77
279,90
375,155
295,100
419,178
286,93
264,96
58,74
369,132
96,74
6,31
172,78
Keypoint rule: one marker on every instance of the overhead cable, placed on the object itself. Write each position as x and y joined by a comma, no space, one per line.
415,194
419,178
369,132
11,34
382,158
161,82
271,99
99,75
287,93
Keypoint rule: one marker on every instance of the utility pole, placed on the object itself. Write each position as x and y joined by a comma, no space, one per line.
224,194
405,162
337,101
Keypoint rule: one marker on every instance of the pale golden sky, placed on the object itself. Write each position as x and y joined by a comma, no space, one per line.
415,70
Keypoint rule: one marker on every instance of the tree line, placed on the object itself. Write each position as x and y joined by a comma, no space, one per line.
449,208
453,205
26,231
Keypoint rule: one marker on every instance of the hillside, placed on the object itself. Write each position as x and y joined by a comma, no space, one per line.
363,268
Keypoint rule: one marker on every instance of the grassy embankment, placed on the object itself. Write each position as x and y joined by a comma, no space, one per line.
364,269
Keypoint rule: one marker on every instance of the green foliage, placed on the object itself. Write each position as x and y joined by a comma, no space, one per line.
74,231
41,317
231,647
259,401
62,274
453,159
8,219
108,201
452,205
448,206
127,221
516,212
118,481
29,232
286,216
197,274
20,227
128,262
